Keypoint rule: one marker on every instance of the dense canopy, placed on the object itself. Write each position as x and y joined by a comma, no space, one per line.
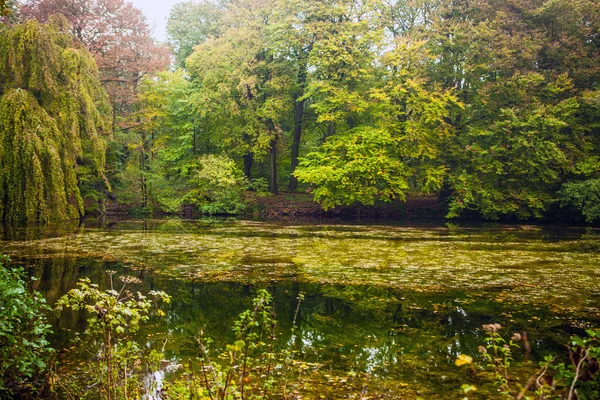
491,106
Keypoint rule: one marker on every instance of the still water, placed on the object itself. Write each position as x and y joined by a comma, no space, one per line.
394,305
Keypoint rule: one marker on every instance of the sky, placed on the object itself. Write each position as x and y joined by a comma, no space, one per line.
157,13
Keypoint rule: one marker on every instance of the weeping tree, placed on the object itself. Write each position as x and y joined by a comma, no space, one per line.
53,115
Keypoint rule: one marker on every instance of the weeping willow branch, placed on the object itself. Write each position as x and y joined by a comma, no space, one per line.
53,112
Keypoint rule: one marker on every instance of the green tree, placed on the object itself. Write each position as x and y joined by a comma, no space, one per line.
163,146
190,24
584,196
53,112
243,91
526,128
396,147
218,186
515,164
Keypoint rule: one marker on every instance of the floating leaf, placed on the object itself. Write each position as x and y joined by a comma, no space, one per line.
463,359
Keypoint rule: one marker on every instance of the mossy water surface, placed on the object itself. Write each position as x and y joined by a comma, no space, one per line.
395,304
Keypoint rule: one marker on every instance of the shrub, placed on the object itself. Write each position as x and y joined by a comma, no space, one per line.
24,349
260,186
579,379
115,316
583,196
219,186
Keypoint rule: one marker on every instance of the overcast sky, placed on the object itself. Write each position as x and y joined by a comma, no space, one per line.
156,13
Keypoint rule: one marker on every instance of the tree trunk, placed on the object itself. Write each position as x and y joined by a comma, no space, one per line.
299,103
351,122
143,179
298,117
248,160
273,164
330,131
194,143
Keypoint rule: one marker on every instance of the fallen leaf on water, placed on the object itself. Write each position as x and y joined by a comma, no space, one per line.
463,359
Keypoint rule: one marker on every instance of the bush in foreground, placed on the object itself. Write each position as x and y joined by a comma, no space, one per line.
24,349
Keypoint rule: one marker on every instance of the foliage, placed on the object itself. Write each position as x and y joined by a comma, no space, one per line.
219,186
190,23
579,380
251,357
117,35
397,148
163,148
513,164
7,10
24,349
583,196
492,105
583,373
255,366
260,186
115,315
53,113
359,167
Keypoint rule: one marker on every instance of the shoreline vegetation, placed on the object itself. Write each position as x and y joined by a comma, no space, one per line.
294,206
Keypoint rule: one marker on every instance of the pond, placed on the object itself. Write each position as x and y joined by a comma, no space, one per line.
387,307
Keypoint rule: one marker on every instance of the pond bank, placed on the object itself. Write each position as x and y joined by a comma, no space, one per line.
287,205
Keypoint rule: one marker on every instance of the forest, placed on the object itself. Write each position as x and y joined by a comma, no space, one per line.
300,199
492,107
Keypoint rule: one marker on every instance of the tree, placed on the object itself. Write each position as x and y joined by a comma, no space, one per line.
513,164
583,196
53,115
117,35
243,91
190,24
359,166
293,38
396,147
164,147
525,129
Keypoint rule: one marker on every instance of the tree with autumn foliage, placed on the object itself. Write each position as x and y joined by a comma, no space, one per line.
117,35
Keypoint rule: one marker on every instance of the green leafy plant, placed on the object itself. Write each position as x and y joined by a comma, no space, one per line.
584,196
24,349
578,380
219,186
583,372
254,366
114,317
260,186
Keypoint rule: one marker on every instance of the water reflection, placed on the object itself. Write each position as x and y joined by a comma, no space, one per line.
397,303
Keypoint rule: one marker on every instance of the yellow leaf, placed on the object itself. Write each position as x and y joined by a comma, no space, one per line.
463,359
